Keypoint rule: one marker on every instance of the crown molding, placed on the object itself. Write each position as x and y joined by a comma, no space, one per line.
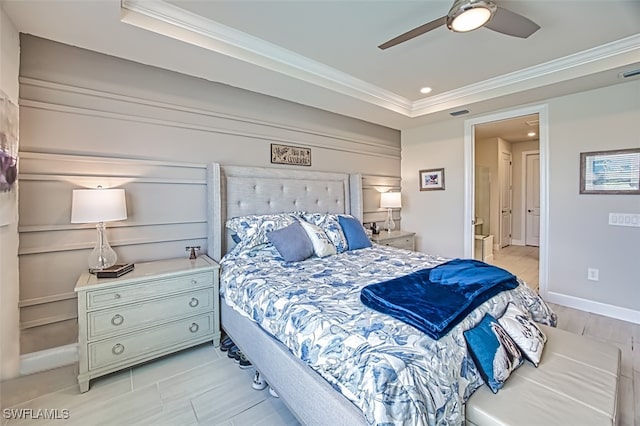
172,21
555,71
164,18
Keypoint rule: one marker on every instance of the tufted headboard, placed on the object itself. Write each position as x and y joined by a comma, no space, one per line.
239,191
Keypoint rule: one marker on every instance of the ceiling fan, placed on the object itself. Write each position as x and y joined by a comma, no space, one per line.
467,15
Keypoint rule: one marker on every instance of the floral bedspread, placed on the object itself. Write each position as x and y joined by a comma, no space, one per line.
391,371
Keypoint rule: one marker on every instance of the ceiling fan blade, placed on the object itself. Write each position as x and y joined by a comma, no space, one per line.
510,23
414,32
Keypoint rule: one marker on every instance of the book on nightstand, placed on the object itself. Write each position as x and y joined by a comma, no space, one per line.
115,271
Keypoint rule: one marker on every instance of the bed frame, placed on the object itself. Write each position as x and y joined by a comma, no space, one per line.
239,191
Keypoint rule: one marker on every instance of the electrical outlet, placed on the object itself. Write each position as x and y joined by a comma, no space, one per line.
593,274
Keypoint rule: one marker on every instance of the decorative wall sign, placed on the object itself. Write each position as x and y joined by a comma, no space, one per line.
8,159
610,172
294,155
431,179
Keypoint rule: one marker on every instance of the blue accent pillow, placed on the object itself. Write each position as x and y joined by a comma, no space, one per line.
493,351
354,232
292,242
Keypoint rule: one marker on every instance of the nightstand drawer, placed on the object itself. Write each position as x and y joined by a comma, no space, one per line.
146,342
146,289
398,239
133,317
404,243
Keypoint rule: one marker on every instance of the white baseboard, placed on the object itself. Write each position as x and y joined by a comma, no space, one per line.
612,311
48,359
517,243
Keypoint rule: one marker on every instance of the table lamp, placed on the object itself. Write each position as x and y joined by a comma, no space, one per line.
99,206
390,200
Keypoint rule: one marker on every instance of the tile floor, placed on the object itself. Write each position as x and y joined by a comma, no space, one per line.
200,385
523,261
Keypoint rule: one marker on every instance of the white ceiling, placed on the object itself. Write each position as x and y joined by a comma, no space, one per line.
324,53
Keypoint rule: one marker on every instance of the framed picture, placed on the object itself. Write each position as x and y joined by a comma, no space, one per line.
293,155
8,160
610,172
431,179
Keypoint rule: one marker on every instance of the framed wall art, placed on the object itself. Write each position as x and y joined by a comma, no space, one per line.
293,155
610,172
431,179
8,159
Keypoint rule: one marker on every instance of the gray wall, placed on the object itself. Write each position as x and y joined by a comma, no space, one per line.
88,117
579,236
9,359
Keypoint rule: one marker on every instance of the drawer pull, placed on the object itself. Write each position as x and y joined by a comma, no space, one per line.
117,349
194,281
116,296
117,320
194,302
194,327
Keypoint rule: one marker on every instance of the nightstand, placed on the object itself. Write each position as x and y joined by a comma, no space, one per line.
399,239
158,308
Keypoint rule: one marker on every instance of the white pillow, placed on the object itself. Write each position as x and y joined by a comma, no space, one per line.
321,243
527,335
329,223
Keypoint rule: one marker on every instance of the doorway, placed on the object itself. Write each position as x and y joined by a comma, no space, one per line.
516,169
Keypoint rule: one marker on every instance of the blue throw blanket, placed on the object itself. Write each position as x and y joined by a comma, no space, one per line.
435,300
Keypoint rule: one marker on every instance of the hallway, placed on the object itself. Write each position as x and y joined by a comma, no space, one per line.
522,261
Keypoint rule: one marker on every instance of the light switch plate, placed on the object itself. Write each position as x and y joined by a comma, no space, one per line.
624,219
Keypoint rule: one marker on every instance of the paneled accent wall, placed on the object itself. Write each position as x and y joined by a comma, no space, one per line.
94,104
166,206
88,119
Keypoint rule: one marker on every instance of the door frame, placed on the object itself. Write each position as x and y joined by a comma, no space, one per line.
469,169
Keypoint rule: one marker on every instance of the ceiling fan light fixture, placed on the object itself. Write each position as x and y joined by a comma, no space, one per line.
468,15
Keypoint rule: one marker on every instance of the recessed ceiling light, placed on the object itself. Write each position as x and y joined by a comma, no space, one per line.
531,134
425,90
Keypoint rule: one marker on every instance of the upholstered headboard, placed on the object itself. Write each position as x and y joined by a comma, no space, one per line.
239,191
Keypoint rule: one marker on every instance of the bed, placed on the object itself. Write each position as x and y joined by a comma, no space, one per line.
332,360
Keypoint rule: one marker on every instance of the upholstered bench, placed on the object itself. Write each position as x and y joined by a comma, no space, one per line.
575,384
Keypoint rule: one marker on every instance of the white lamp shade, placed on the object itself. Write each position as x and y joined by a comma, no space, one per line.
390,200
98,205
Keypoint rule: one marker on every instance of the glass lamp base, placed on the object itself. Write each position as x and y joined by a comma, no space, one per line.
389,224
102,255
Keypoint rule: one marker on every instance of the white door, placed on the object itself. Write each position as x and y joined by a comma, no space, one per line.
532,226
505,198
